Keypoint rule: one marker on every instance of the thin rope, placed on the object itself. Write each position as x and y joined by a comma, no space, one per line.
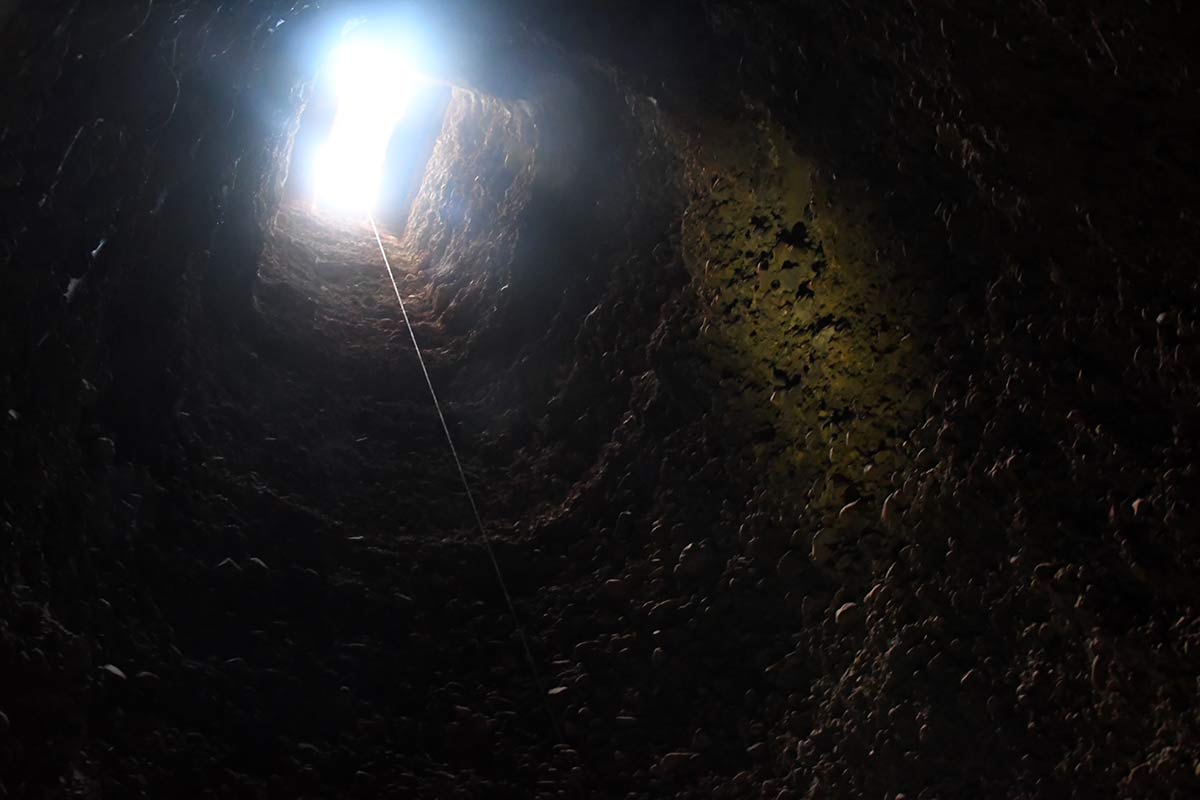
487,542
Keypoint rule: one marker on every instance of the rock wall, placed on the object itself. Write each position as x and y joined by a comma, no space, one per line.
473,202
828,372
816,321
138,149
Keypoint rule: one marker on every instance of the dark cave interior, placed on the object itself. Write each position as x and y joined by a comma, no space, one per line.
825,373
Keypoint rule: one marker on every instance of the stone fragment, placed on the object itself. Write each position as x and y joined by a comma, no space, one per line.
1099,673
310,751
823,542
696,561
113,670
615,589
104,451
888,513
676,762
849,615
659,657
790,565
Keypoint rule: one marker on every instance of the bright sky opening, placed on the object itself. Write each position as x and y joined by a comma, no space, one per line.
372,85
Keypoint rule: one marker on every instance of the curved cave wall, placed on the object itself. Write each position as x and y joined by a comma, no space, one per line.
824,373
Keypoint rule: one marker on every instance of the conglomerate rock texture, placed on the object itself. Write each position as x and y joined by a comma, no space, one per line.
825,373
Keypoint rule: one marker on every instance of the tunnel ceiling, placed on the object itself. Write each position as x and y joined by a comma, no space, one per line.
825,373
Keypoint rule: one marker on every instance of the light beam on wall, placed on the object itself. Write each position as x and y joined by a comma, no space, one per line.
373,85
